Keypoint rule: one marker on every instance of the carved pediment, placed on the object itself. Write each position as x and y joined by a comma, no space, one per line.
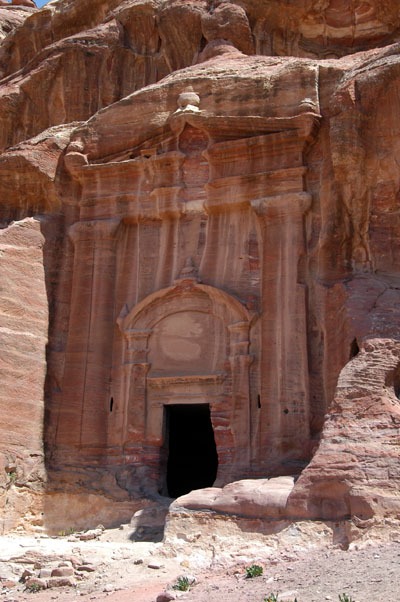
195,297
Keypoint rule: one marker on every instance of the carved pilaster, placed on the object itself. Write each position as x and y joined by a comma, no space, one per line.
88,356
282,207
95,231
284,391
240,361
136,346
134,388
136,380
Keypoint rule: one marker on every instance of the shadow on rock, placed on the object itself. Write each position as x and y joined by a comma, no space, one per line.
148,524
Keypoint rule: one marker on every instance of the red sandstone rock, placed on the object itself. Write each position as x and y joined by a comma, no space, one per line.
165,597
36,582
92,534
354,471
261,498
24,326
29,3
222,194
11,16
84,568
38,159
62,571
61,582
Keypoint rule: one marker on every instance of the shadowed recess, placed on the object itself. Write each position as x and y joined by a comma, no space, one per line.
192,458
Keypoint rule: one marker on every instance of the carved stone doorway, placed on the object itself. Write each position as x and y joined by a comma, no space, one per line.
186,344
192,454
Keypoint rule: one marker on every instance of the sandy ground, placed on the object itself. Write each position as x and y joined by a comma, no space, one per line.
124,571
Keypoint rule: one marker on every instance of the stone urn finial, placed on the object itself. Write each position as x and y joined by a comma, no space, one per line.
307,105
188,101
189,271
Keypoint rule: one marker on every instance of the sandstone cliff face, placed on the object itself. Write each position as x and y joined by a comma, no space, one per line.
24,325
221,194
12,15
355,472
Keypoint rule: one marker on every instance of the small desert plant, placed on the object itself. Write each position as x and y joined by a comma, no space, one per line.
66,532
182,584
34,588
254,571
271,598
12,477
345,598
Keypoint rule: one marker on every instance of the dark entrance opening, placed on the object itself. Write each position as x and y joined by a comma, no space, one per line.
192,458
354,349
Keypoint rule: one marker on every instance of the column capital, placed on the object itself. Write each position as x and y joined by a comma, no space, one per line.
137,339
94,230
282,206
239,338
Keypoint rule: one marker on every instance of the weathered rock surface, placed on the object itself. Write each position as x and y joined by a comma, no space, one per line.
262,498
355,472
13,14
221,194
28,172
23,333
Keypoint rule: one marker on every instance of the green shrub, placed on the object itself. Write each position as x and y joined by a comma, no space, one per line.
34,588
66,532
253,571
182,584
271,598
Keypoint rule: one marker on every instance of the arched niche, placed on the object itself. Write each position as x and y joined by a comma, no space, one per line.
188,344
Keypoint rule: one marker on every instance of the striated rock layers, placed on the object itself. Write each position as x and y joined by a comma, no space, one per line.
200,255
